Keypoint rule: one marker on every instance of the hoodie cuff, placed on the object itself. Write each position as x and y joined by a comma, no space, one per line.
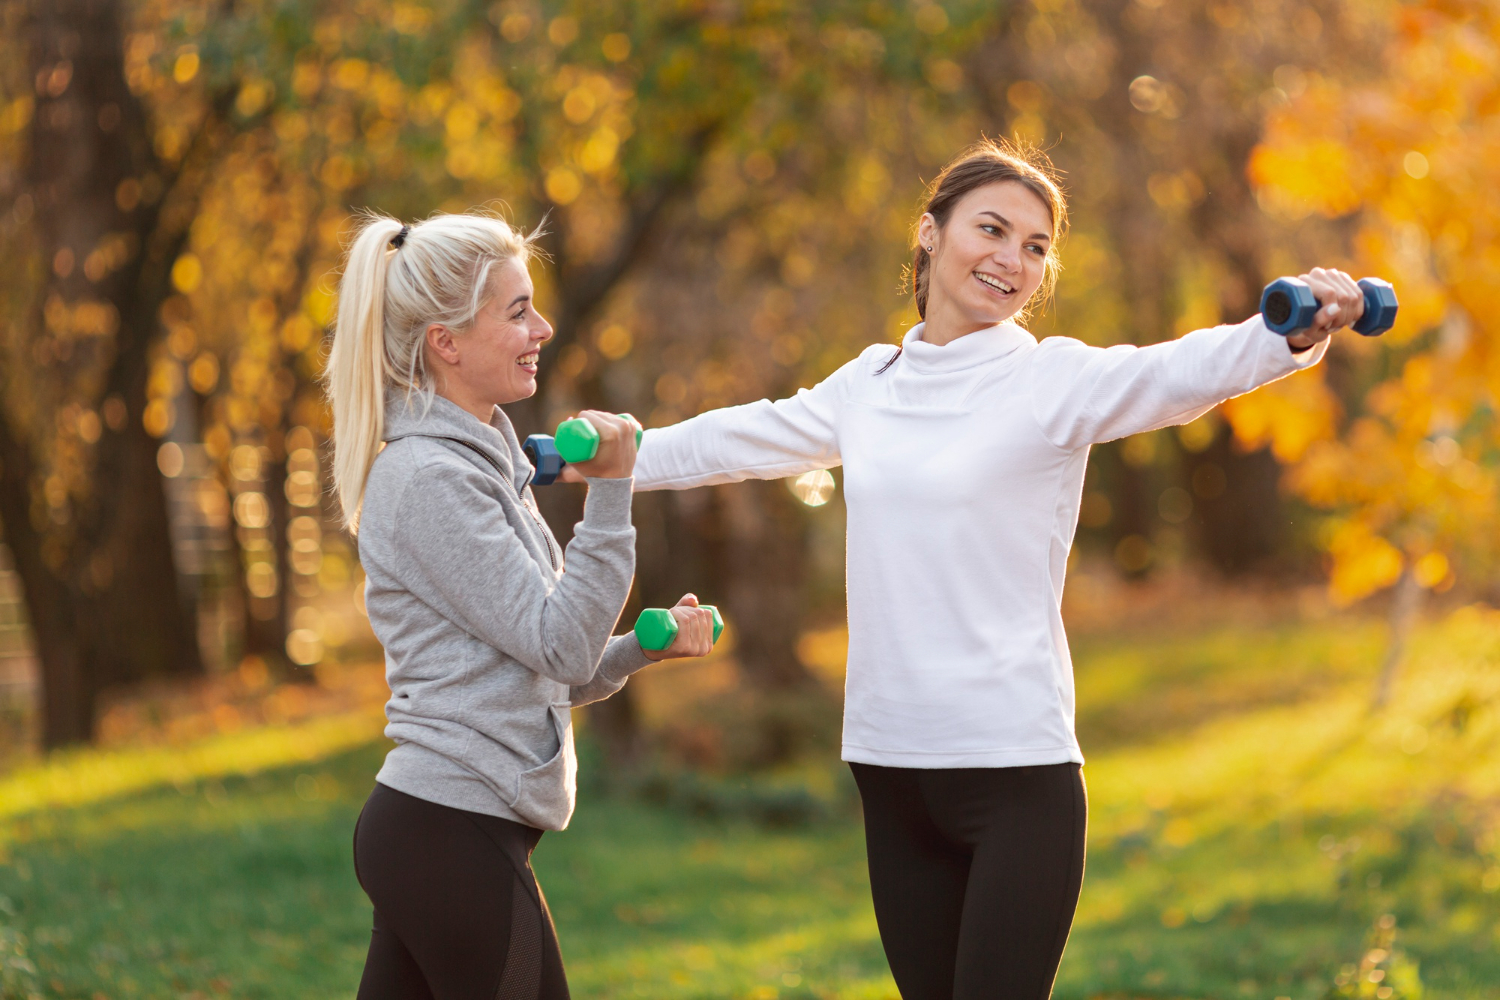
622,657
608,503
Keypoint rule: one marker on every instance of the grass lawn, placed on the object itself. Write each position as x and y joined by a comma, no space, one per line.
1251,823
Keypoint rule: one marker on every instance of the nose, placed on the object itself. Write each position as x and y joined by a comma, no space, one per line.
1008,256
542,331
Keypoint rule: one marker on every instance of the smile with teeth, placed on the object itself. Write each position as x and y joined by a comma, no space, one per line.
994,283
528,359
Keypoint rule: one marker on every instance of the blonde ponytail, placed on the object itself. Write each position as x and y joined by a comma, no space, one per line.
392,289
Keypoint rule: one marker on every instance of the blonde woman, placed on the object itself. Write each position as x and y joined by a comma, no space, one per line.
491,632
963,453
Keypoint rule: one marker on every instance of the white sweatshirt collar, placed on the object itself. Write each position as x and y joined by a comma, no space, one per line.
977,348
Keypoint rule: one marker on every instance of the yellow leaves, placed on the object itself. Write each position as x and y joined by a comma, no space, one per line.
562,30
350,74
255,93
868,185
563,185
320,304
1295,180
187,273
186,65
1431,569
461,122
16,114
931,19
616,47
410,18
203,373
615,341
1362,562
598,154
1289,415
578,104
307,78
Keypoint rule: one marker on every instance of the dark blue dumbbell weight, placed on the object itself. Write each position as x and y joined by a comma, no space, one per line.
1289,306
541,450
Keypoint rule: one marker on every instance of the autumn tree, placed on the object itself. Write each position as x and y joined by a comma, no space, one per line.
1404,450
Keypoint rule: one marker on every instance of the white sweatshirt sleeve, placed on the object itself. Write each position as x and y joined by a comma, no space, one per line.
760,440
1085,395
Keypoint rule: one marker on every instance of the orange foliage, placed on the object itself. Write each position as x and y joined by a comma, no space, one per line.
1415,480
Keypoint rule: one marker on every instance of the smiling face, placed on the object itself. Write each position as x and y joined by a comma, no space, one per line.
495,361
989,258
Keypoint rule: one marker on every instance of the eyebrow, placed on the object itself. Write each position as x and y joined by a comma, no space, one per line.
517,301
1007,224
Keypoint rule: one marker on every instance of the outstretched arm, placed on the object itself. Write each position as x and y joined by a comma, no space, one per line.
1085,395
761,440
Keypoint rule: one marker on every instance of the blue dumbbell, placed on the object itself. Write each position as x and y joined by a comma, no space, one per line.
1289,306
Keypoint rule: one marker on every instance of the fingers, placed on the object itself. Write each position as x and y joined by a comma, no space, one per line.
1342,300
695,630
615,458
688,601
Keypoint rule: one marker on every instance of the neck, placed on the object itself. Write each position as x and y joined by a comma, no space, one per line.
944,324
481,410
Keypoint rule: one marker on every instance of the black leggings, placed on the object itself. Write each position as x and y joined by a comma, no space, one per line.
458,912
975,874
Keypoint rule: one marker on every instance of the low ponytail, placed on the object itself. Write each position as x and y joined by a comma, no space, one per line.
398,280
357,364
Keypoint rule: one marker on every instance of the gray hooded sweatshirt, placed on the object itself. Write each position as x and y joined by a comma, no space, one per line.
488,643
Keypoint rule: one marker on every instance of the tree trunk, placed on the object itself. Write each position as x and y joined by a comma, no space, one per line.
1405,603
766,549
96,560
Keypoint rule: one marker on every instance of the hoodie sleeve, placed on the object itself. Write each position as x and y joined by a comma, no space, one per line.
622,658
460,556
1085,395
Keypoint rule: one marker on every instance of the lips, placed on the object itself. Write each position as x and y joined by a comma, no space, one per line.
528,362
1003,288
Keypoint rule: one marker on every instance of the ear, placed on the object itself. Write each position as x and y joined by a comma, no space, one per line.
927,230
442,343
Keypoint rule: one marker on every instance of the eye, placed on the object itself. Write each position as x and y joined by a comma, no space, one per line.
993,230
520,315
1038,250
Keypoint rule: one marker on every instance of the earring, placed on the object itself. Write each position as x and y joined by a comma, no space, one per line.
929,249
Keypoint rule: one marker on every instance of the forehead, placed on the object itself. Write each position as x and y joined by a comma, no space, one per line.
1011,200
510,275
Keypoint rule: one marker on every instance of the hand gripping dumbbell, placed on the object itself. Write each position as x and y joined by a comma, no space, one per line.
1289,306
576,441
656,628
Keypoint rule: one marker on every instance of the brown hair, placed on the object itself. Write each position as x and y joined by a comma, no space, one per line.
987,162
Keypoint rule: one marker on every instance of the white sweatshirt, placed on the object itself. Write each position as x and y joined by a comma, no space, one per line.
963,471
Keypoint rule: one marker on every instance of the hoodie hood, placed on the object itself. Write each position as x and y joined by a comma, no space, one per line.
446,420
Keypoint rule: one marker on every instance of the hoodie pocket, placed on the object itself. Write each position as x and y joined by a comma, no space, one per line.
545,794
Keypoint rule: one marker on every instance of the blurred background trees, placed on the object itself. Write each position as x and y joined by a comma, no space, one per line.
727,191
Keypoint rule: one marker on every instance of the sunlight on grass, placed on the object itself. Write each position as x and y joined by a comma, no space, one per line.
78,777
1252,825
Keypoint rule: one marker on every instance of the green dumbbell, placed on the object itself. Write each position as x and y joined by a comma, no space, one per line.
576,441
656,628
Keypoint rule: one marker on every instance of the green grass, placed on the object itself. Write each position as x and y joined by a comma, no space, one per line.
1250,822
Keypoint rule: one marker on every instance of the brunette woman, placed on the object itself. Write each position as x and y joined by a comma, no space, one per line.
964,452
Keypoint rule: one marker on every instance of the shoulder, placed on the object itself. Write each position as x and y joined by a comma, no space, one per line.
417,469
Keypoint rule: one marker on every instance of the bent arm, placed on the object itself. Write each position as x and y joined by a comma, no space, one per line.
487,583
622,658
761,440
1085,395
